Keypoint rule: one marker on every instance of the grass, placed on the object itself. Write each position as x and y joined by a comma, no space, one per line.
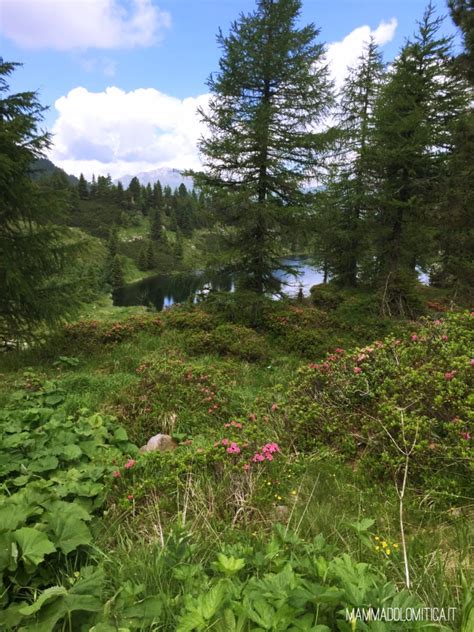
186,498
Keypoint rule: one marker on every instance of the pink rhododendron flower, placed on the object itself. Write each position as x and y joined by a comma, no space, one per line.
269,456
269,448
414,337
233,448
449,375
116,474
357,369
130,463
257,458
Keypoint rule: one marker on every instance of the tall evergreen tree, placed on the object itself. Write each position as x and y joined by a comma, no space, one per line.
462,12
271,90
355,182
82,188
413,116
157,195
134,190
34,253
156,229
116,275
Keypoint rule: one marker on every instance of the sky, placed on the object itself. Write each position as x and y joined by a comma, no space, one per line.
123,78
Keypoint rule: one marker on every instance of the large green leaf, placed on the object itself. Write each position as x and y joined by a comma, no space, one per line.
34,545
69,531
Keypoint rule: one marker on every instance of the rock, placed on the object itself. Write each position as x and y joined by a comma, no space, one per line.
281,513
160,443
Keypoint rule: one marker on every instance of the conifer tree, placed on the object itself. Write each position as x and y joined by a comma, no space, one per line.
34,253
272,88
355,182
157,195
413,119
116,275
82,188
156,229
150,256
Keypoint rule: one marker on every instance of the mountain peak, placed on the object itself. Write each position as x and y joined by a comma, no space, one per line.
165,175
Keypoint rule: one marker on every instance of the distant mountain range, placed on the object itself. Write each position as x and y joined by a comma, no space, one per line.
166,177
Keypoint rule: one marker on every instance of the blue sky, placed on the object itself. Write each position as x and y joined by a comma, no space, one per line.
124,77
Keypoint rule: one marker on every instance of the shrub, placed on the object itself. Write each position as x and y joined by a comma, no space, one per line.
194,319
412,390
233,340
89,334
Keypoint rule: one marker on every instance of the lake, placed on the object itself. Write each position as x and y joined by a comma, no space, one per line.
163,290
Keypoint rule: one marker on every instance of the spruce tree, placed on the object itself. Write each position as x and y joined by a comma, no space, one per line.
413,118
270,92
156,229
82,188
35,255
157,195
116,275
354,181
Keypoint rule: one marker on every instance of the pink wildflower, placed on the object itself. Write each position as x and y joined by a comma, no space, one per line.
130,497
414,337
274,407
449,375
269,448
225,441
472,362
339,350
252,416
130,463
444,337
357,369
269,456
437,322
257,458
233,448
116,474
466,435
246,467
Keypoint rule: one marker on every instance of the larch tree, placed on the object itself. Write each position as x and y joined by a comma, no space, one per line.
270,93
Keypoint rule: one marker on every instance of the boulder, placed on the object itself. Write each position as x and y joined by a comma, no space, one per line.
161,443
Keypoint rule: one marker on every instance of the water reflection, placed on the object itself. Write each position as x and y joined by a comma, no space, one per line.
161,290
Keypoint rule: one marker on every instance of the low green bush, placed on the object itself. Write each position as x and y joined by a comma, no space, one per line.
89,335
410,394
234,340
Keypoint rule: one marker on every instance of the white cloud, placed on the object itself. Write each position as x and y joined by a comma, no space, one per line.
121,132
82,24
344,54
